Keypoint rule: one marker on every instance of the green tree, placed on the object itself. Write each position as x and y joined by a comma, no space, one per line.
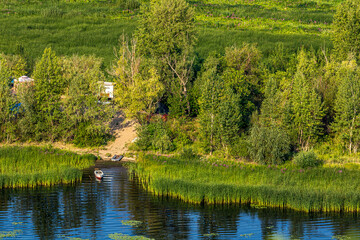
138,87
346,37
269,141
272,108
227,99
167,36
49,87
167,29
6,102
16,64
209,103
347,107
84,119
307,112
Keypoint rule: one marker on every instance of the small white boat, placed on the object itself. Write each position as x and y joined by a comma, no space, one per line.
116,158
98,174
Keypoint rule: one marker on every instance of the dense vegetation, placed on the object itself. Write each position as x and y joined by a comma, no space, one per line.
32,166
93,27
259,80
209,181
238,99
241,104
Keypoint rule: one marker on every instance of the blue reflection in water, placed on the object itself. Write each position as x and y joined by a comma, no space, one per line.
93,210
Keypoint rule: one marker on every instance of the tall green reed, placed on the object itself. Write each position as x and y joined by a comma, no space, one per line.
217,182
32,166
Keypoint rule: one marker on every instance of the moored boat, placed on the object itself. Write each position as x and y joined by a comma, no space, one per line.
98,174
117,158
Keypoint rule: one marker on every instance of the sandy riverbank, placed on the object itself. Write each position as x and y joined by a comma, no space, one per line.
123,130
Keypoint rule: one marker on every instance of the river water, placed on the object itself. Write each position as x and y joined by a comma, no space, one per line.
95,210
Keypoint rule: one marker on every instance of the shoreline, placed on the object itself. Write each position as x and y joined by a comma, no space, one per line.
30,166
123,131
321,189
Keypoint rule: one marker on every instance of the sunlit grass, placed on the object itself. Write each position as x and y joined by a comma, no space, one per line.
216,182
32,166
93,28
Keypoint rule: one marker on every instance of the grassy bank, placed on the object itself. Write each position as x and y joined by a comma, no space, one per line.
93,28
32,166
200,181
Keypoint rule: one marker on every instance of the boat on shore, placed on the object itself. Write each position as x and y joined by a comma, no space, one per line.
98,174
116,158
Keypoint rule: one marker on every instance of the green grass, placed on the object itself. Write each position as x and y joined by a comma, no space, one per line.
94,27
202,181
32,166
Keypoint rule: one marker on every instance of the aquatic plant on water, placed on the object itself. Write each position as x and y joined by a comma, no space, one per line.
120,236
7,234
219,182
32,166
131,223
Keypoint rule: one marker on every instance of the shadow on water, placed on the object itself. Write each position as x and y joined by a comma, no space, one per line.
94,209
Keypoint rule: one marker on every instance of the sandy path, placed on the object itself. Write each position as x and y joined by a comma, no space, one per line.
123,130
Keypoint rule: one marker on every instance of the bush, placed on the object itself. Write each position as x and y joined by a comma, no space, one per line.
240,148
188,154
307,159
88,136
269,145
155,136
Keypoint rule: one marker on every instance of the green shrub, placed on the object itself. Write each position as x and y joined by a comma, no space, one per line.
307,159
240,148
155,136
88,136
188,154
129,4
269,145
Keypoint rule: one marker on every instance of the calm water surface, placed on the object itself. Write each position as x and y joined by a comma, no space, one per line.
93,210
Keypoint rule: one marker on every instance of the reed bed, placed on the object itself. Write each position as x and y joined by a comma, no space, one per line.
32,166
200,181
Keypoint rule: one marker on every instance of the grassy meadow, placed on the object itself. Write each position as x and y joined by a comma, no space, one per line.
32,166
206,181
94,27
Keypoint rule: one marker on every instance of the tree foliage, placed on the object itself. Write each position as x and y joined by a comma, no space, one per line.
138,87
6,102
307,112
347,107
269,144
167,36
346,37
49,87
83,114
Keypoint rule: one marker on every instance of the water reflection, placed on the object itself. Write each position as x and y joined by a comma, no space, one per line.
93,209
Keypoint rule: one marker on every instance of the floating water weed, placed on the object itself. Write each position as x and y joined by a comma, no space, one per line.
7,234
247,235
211,235
71,238
17,223
120,236
131,223
76,238
340,237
